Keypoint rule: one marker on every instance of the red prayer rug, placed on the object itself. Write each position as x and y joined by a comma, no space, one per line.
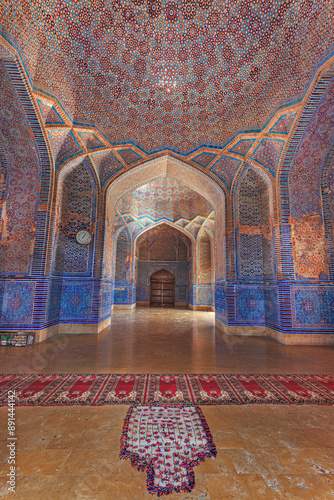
167,442
218,389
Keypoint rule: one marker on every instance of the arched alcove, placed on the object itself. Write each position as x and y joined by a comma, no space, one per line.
71,297
76,210
205,279
254,239
205,264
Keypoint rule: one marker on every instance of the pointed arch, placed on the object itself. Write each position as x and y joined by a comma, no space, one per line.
76,209
193,178
254,238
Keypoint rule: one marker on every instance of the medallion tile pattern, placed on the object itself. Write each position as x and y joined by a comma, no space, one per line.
76,301
250,304
17,303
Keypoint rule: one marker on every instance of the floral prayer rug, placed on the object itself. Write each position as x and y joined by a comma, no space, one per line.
167,442
218,389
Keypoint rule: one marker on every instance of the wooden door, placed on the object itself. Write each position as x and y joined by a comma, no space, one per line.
162,285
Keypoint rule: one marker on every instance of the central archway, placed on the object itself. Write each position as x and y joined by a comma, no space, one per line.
167,166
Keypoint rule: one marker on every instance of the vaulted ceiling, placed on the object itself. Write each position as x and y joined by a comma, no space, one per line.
164,197
171,74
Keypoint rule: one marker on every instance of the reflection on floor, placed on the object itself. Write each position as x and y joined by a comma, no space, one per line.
155,340
263,452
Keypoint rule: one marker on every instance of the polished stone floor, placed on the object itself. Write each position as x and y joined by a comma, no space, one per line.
148,340
264,452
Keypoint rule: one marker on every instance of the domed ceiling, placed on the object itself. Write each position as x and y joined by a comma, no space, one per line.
171,74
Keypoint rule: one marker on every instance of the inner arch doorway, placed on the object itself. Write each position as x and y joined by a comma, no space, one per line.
162,289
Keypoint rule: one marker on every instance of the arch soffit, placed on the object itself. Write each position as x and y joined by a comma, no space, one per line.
71,163
204,231
160,223
167,273
126,232
166,166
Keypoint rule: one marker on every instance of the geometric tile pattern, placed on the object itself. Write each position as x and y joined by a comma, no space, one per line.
77,213
64,145
255,246
50,115
271,306
204,159
164,197
129,156
283,125
304,173
106,164
171,74
91,141
122,267
241,147
204,259
163,249
225,168
220,301
268,153
22,182
164,243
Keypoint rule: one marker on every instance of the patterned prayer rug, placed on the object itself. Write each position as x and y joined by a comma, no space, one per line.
167,442
101,389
